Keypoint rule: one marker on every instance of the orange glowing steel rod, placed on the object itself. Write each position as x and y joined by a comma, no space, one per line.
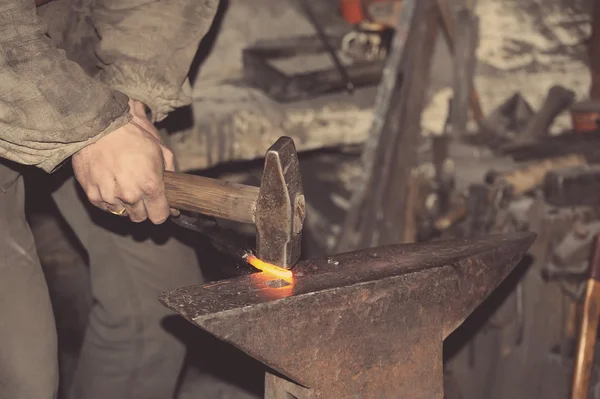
269,268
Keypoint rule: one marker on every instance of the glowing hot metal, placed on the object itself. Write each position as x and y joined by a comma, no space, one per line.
273,270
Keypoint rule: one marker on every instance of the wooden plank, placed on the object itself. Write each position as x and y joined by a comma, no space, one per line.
378,207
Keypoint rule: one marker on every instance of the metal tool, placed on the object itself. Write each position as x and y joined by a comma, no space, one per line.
226,241
482,201
258,66
383,14
366,324
325,40
277,207
501,125
526,178
588,332
556,146
569,260
573,186
557,100
391,139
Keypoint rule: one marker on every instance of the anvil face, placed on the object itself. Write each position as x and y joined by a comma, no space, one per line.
358,325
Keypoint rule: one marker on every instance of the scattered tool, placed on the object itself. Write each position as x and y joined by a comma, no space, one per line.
285,86
526,178
379,202
501,126
277,207
587,145
500,188
588,333
557,100
514,123
574,186
457,211
569,261
373,18
372,22
325,40
366,324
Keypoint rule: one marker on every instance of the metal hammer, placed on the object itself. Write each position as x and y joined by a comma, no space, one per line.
277,207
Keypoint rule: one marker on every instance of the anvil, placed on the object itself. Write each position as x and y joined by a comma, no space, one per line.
366,324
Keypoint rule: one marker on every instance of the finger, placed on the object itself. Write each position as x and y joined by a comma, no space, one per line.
170,166
156,203
93,195
116,208
108,191
137,212
169,158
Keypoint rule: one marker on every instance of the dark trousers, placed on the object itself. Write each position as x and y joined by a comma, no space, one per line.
127,352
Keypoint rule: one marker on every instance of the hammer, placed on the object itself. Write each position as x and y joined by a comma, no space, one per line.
277,207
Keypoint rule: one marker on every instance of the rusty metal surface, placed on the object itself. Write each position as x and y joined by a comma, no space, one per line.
280,206
281,388
362,324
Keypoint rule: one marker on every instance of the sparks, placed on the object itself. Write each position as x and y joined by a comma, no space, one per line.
269,268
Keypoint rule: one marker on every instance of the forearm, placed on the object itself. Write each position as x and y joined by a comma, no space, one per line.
147,47
49,108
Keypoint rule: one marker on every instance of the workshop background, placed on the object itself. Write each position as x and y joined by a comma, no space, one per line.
522,342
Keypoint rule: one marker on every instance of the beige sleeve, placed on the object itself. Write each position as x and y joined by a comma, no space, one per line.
147,47
49,108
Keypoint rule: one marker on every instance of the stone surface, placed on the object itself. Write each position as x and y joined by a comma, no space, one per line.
525,46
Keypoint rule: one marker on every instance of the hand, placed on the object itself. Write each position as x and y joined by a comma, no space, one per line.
138,111
124,170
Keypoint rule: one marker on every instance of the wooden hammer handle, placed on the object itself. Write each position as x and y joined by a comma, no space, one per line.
588,333
584,360
211,197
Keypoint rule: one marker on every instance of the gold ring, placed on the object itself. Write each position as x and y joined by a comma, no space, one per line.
120,213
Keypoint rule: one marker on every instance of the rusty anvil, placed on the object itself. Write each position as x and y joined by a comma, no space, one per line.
277,208
366,324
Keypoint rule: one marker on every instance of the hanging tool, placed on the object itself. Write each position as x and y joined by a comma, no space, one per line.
330,50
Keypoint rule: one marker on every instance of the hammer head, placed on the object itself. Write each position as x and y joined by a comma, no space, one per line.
280,206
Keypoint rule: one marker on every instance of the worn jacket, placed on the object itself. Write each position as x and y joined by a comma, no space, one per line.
50,108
